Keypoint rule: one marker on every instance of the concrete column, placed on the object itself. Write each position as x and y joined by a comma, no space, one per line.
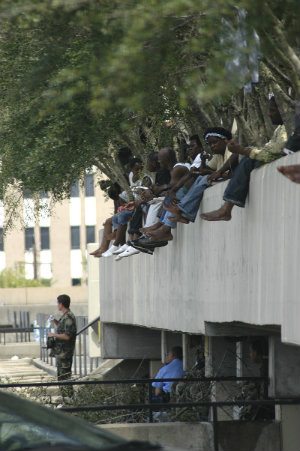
220,360
93,299
220,357
164,345
185,343
284,373
244,365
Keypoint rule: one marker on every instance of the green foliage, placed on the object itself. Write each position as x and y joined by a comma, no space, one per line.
15,278
81,79
98,395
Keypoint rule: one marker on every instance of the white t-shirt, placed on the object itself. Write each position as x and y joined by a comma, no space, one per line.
197,162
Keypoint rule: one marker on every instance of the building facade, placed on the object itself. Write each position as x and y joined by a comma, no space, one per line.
52,244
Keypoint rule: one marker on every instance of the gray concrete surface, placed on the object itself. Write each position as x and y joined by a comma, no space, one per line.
284,369
28,349
244,270
233,436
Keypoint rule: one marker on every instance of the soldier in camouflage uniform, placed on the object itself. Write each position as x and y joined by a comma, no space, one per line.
65,341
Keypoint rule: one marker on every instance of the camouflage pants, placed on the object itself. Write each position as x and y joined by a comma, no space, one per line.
64,373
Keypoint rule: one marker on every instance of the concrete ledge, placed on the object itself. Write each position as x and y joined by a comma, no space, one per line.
41,295
233,435
27,349
51,370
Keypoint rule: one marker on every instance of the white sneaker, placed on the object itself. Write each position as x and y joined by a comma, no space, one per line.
110,251
121,249
118,257
130,251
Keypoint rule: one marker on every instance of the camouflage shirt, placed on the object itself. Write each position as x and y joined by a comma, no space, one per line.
66,325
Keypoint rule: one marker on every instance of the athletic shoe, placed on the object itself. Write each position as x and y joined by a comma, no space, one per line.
121,249
110,251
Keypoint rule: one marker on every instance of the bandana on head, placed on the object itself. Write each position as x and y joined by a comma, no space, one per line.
217,135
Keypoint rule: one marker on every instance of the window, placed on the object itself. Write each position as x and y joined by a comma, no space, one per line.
45,238
90,234
43,195
75,237
89,185
29,238
27,193
75,190
1,239
76,282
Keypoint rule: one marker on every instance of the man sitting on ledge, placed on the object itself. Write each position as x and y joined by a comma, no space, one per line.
238,187
173,370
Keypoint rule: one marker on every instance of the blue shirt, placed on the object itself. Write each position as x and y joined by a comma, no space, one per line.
172,370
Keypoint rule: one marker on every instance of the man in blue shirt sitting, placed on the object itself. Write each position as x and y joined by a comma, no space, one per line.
173,369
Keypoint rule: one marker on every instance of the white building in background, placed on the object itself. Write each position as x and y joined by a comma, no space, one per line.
54,246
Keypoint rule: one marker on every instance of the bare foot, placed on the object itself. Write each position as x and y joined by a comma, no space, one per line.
292,172
98,252
180,219
162,234
151,228
174,209
217,215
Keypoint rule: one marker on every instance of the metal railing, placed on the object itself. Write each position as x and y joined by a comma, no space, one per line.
82,363
21,328
22,334
150,407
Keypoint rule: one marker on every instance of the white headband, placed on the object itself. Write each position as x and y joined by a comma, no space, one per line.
217,135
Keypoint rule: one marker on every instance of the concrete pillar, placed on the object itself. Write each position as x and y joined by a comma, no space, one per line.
220,357
284,369
185,343
290,430
284,373
164,346
220,360
93,299
244,365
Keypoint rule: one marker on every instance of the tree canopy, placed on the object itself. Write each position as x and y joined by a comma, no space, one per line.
82,78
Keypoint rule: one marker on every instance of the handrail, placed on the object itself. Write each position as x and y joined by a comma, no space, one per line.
149,406
19,331
16,329
137,381
88,325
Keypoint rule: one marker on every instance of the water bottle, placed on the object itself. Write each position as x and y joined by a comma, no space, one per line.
36,331
49,324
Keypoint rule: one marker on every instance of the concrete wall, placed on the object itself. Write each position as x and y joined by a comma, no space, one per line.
233,436
39,300
244,270
93,300
41,295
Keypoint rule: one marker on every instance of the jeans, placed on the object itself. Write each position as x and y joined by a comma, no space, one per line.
121,218
238,187
136,221
166,217
190,204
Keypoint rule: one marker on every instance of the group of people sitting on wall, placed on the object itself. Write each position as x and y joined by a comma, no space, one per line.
177,190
